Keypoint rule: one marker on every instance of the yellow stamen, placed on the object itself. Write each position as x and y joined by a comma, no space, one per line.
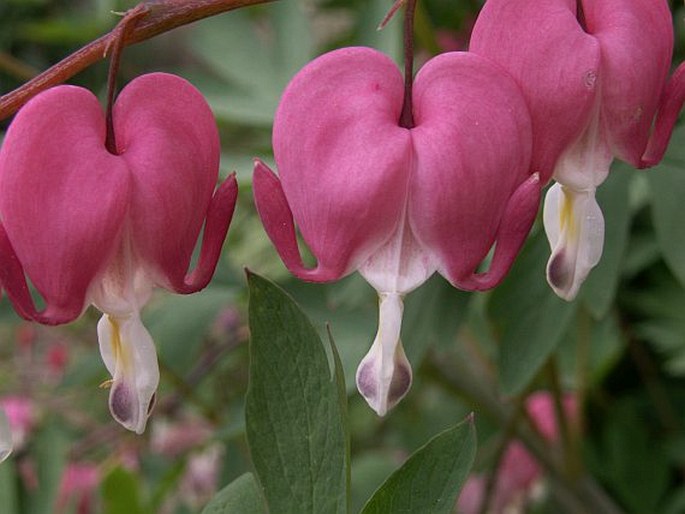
106,384
121,356
566,219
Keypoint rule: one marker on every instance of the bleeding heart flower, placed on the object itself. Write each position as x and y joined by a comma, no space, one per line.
593,73
87,226
398,203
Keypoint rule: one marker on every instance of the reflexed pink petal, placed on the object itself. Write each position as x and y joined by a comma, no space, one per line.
472,141
167,135
277,219
63,198
553,60
634,69
669,109
343,161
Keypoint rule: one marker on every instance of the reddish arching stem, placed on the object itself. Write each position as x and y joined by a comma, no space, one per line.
163,16
120,34
407,115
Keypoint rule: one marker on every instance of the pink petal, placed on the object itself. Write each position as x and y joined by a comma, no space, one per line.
553,60
343,160
473,145
63,198
634,68
167,135
669,109
277,219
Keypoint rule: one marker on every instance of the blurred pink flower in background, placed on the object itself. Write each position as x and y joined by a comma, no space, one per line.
78,489
174,438
21,414
518,472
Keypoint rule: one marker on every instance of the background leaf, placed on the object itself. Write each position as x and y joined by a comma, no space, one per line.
530,319
241,496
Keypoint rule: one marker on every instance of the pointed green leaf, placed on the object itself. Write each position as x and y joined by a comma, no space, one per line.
431,479
239,497
530,319
295,408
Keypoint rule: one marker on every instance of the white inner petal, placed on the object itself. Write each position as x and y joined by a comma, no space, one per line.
5,437
575,229
129,354
585,164
384,374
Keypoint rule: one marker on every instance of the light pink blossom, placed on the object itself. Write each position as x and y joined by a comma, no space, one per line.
594,74
91,227
399,203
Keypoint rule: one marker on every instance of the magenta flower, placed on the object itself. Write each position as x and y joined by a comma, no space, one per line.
398,203
593,73
90,227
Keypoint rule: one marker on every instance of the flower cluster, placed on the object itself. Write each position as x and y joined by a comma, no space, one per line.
397,178
547,90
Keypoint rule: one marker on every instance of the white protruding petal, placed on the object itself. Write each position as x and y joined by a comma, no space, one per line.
5,437
384,375
575,229
129,354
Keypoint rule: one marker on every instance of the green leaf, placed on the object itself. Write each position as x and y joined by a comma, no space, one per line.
295,408
179,324
431,479
530,319
599,289
432,316
50,454
239,497
8,487
667,185
120,493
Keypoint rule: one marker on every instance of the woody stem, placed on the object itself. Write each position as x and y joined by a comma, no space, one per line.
164,16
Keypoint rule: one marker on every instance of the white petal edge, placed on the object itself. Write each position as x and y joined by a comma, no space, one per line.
574,225
129,354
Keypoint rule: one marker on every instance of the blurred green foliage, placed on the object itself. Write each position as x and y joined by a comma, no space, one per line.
620,346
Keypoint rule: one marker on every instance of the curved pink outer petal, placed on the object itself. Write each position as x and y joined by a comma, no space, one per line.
167,136
556,64
670,105
472,145
636,40
63,198
343,160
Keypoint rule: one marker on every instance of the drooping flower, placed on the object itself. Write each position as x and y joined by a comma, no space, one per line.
593,73
78,489
91,227
398,203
